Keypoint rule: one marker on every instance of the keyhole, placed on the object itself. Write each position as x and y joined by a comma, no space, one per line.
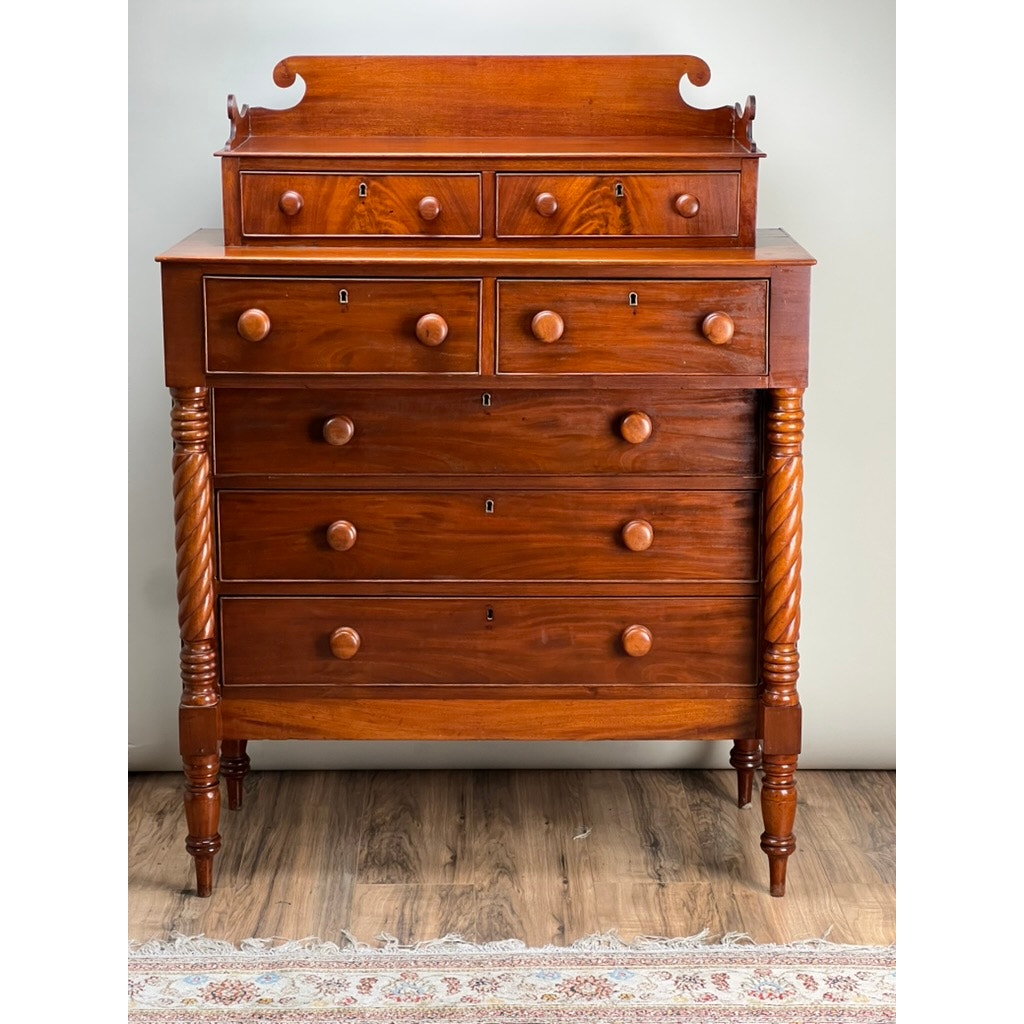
633,298
489,506
490,614
343,296
362,190
619,190
485,400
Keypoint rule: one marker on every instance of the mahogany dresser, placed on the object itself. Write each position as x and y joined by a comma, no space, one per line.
486,411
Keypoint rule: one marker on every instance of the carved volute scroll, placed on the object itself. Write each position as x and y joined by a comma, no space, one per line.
555,96
780,704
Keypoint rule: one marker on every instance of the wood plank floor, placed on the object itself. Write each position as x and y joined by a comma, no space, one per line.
547,857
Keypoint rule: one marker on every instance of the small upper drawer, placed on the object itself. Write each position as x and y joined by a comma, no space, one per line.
652,205
296,205
664,327
337,325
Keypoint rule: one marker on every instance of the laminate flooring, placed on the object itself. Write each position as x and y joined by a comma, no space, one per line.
544,856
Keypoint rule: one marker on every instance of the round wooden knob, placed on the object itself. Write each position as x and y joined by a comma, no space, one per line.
635,427
254,325
431,329
546,204
638,535
547,326
290,202
345,642
636,641
718,328
429,208
341,535
338,430
687,206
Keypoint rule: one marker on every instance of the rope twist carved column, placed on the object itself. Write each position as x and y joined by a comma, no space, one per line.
199,711
780,704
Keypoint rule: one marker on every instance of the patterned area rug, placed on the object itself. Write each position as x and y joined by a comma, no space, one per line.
600,980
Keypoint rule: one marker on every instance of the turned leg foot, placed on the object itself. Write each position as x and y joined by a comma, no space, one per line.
745,757
778,805
234,766
202,814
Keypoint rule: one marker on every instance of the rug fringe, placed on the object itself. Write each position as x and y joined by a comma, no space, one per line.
201,945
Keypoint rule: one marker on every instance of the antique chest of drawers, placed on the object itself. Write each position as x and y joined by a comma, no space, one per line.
486,410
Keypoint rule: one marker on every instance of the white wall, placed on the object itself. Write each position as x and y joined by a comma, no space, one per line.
824,78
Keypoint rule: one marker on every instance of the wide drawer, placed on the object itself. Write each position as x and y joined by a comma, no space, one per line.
665,327
349,641
652,205
358,432
338,325
296,205
493,535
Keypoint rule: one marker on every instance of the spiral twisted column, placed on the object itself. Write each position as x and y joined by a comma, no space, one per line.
780,666
199,709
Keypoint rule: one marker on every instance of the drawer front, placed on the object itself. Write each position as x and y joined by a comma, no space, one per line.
293,432
477,535
652,205
350,641
664,327
337,325
296,205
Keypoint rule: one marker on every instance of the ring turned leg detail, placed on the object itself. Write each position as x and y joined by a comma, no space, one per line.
779,704
199,710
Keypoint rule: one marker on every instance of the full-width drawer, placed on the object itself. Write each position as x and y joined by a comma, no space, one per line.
360,432
609,205
297,205
349,641
488,535
338,325
633,326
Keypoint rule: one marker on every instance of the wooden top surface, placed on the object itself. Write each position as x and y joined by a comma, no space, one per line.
207,245
618,147
488,97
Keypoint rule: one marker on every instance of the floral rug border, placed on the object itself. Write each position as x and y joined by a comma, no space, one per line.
451,981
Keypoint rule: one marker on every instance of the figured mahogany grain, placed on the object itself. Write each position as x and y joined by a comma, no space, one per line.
495,718
342,325
424,432
540,641
609,205
335,206
659,331
482,535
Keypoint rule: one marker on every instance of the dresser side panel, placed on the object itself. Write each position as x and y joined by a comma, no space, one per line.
184,329
789,327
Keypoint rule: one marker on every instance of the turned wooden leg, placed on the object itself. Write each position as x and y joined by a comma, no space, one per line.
202,813
199,710
778,805
234,766
780,715
745,757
